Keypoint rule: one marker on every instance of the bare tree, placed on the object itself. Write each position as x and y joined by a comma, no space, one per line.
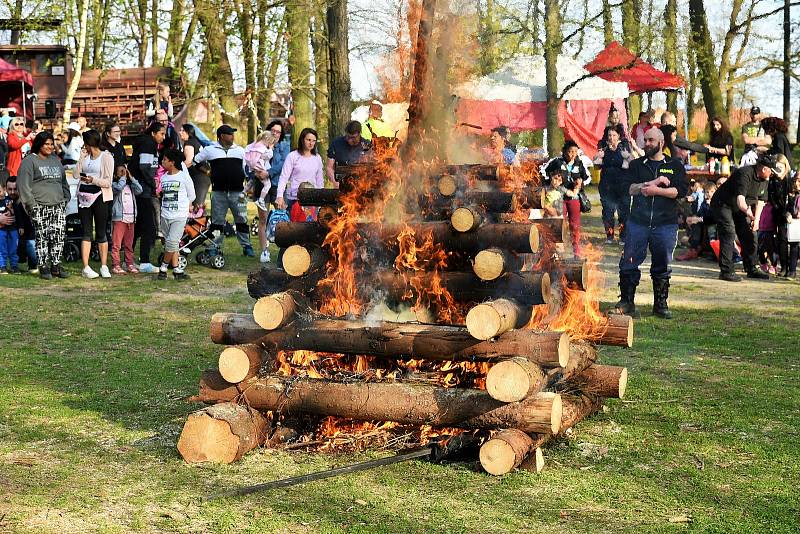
78,68
552,49
299,67
708,72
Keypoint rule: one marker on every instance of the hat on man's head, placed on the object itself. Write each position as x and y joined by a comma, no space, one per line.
74,126
225,130
770,161
755,110
376,103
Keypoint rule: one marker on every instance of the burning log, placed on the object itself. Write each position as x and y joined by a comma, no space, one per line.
619,332
491,201
241,362
277,310
270,280
447,185
395,340
399,402
554,229
466,219
309,196
517,237
607,381
490,319
299,260
478,171
505,451
492,263
221,433
515,379
576,272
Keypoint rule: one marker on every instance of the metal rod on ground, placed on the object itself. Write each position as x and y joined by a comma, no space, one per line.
426,451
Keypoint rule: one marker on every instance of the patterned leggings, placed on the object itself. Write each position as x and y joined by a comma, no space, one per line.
50,225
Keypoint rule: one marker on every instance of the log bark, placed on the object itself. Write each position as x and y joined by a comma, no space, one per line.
575,271
299,260
606,381
534,462
400,402
492,263
619,332
277,310
505,451
466,219
241,362
270,280
221,433
515,379
396,340
517,237
477,171
490,319
551,229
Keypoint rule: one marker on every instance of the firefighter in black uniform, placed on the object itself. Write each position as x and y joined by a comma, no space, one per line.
736,207
656,182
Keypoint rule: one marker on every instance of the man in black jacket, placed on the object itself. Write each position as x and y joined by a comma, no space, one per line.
143,166
656,182
737,208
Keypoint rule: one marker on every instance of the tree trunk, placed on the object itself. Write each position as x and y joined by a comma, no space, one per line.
608,23
399,402
487,38
506,450
631,21
787,52
79,54
552,49
395,340
154,32
298,64
219,73
222,433
514,379
186,42
245,24
99,23
319,44
265,94
142,27
419,101
16,15
339,70
706,63
671,50
489,319
172,50
607,381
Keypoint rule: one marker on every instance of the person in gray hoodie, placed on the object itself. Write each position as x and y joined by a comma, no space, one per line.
44,192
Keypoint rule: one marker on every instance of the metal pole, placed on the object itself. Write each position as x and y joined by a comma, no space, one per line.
787,51
24,104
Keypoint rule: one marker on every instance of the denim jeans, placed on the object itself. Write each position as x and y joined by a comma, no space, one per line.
236,202
27,248
660,240
615,202
9,239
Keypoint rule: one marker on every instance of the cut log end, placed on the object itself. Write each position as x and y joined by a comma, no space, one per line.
489,265
296,260
563,349
238,363
465,219
447,185
513,380
623,382
547,289
505,451
326,215
619,331
490,319
534,239
555,414
222,433
274,311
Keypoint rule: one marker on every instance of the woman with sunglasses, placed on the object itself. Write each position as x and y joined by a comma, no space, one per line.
17,139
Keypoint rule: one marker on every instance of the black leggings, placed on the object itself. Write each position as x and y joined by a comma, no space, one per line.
145,226
97,212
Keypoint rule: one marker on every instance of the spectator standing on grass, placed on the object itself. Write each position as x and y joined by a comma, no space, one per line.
500,148
177,195
9,236
162,100
83,124
720,140
143,166
656,184
792,214
27,241
640,128
737,207
19,142
753,135
258,155
228,176
699,223
44,192
614,160
614,123
279,154
171,138
348,149
375,126
123,219
302,165
96,172
199,173
573,175
72,143
778,190
776,129
553,201
112,143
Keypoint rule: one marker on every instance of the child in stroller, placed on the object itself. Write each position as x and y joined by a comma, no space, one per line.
196,233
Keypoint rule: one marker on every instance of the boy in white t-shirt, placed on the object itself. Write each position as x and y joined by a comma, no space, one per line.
177,194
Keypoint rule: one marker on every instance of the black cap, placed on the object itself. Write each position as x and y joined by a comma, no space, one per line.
225,129
755,110
770,161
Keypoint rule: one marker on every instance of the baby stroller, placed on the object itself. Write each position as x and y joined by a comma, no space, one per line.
197,233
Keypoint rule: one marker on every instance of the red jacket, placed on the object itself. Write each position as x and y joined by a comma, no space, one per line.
14,159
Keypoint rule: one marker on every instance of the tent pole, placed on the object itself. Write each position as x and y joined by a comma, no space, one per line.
685,114
24,105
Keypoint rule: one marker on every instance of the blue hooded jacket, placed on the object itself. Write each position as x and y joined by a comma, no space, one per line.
279,154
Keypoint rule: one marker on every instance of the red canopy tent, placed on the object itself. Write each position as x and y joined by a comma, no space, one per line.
618,64
16,85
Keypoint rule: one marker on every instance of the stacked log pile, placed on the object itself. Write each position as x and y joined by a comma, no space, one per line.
482,360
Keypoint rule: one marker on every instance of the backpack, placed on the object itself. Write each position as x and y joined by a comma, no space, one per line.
277,216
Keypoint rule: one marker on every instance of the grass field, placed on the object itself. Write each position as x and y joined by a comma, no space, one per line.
93,376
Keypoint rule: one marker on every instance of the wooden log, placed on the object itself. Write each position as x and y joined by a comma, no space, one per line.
490,319
309,196
299,260
513,380
397,340
447,185
576,272
326,215
270,280
492,263
534,462
607,381
277,310
400,402
517,237
221,433
505,451
552,229
619,332
466,219
478,171
241,362
576,408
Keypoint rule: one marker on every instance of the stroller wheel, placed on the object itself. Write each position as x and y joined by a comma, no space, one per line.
71,251
95,252
203,258
182,261
218,261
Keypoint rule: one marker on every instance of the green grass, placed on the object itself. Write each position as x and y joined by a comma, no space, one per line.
93,377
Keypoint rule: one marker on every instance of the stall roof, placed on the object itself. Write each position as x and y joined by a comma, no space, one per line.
11,73
618,64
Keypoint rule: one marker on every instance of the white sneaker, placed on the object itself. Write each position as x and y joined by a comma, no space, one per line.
104,272
265,256
147,268
262,205
88,272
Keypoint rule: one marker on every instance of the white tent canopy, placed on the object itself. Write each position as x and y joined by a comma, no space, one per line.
523,80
